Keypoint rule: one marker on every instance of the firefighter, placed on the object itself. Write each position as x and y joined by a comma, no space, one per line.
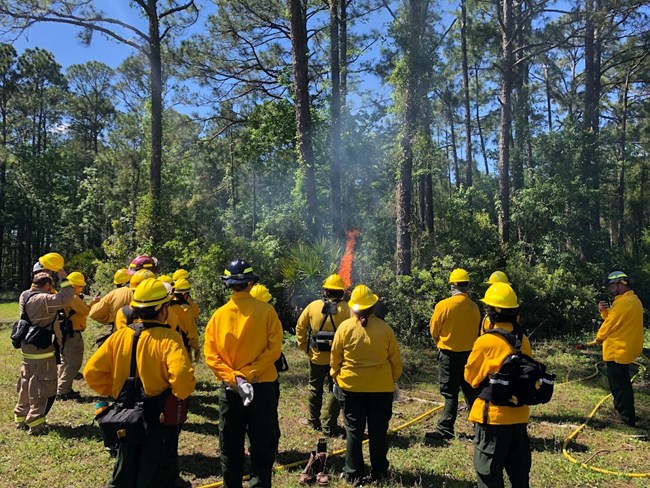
121,277
621,335
180,274
105,310
162,364
186,320
454,327
500,432
72,350
38,373
323,315
243,339
496,277
149,263
365,364
116,306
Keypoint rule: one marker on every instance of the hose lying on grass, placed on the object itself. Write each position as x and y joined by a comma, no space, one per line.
575,433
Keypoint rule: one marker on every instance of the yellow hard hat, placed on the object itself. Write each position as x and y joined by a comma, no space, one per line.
121,276
52,261
181,274
139,276
77,279
500,295
182,285
459,275
150,293
498,277
334,282
362,298
261,292
165,279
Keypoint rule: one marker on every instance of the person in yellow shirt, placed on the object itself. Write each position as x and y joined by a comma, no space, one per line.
243,339
72,352
496,277
500,432
186,319
365,364
454,327
183,274
162,364
324,315
120,318
621,335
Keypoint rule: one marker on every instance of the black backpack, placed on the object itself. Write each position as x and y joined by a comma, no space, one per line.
22,325
321,340
521,380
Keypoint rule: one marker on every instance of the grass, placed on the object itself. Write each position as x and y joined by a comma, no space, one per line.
71,455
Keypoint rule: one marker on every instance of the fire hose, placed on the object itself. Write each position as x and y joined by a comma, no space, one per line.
572,437
338,452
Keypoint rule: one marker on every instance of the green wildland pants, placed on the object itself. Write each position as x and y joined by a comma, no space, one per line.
499,447
318,376
620,385
451,371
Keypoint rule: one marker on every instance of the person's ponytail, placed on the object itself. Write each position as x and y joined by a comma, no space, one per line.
363,315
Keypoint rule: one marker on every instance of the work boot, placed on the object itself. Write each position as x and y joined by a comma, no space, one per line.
21,426
40,429
323,477
435,437
71,395
308,475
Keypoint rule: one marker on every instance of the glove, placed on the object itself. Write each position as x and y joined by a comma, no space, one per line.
245,390
396,393
337,392
591,344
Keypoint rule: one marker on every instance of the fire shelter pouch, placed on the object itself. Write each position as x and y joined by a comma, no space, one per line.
41,337
19,332
126,424
172,410
323,340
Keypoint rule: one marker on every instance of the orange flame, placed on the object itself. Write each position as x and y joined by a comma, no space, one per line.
345,268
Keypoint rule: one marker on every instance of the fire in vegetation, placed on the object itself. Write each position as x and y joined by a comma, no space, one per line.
345,269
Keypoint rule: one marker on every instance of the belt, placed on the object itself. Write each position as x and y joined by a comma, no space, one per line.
44,355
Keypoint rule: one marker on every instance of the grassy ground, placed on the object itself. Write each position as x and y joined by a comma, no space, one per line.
71,455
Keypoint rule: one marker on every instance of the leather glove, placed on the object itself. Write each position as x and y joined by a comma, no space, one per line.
592,343
396,393
245,390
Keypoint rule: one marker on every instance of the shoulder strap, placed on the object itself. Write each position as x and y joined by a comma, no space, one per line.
513,338
128,314
134,363
138,328
31,293
331,317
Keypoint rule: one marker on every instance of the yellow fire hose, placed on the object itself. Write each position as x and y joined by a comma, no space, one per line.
338,452
575,433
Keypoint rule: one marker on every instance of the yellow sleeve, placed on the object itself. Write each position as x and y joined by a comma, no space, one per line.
302,328
120,320
477,366
179,367
212,358
79,306
98,371
101,311
336,354
612,322
435,324
272,351
394,357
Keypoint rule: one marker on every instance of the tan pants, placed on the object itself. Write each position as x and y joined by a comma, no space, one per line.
71,358
36,390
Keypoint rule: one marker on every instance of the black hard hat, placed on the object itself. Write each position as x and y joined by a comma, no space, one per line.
238,272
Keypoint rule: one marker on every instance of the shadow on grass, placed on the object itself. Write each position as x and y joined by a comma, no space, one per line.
205,406
403,440
204,428
84,431
203,385
554,445
200,465
425,480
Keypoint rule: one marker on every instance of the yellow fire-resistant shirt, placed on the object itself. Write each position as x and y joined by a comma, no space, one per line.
309,323
172,320
243,338
365,359
105,310
80,315
161,358
455,322
195,308
186,322
622,329
488,353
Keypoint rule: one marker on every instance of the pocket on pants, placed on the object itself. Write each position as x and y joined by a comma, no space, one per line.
485,440
47,379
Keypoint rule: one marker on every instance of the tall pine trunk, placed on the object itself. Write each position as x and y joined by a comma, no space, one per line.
505,119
